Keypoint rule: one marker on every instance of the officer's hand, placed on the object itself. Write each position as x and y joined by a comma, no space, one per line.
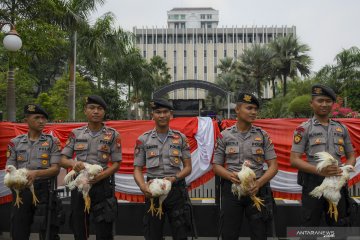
78,166
332,170
146,190
31,176
234,177
171,179
254,189
96,179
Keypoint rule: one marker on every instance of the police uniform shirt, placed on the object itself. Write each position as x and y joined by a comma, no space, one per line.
161,159
311,137
98,149
22,153
233,149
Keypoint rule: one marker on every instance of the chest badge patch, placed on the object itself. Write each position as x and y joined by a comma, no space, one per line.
8,153
317,141
259,151
105,148
176,141
297,138
152,154
104,156
176,160
80,146
20,158
257,138
44,155
45,144
176,136
107,136
341,148
44,162
341,141
338,129
232,150
175,152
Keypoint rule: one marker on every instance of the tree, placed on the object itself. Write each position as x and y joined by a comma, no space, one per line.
255,65
291,58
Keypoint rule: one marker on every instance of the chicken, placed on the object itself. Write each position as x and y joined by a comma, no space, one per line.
81,181
16,179
247,180
331,186
159,188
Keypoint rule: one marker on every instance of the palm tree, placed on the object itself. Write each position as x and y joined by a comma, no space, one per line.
255,64
76,13
291,56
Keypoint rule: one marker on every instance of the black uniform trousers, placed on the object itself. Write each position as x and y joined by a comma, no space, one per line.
28,214
102,216
174,208
313,208
233,209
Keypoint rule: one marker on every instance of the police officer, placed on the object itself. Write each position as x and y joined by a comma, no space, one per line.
166,154
40,154
320,134
95,144
238,143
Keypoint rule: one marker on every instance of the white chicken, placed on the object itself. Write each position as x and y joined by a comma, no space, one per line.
331,186
159,188
247,180
81,181
16,179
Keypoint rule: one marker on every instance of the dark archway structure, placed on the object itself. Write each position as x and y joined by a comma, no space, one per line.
193,84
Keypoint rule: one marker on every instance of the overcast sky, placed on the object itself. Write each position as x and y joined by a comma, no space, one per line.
327,26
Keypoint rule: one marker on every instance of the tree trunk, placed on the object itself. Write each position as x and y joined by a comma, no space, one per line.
273,87
72,82
285,85
258,86
10,95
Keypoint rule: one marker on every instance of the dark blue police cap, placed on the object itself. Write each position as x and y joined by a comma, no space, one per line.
248,98
321,90
95,99
35,109
160,103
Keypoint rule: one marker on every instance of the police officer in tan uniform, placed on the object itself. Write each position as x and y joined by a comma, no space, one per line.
95,144
321,134
40,154
238,143
166,154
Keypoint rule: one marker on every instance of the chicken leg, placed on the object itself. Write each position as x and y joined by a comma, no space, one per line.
18,199
333,212
159,210
258,202
35,199
87,201
152,208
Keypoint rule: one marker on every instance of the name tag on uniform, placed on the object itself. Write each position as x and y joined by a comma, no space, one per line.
151,146
80,140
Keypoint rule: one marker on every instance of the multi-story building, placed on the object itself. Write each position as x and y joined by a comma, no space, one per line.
193,44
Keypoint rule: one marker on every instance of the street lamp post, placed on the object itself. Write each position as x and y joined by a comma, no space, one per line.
13,43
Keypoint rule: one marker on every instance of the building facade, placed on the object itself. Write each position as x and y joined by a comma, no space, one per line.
193,44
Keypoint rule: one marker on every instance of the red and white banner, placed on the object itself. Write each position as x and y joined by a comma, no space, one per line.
201,133
284,184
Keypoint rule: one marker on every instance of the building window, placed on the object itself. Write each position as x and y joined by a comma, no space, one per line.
164,53
225,53
209,16
209,25
144,54
202,16
195,69
205,69
205,53
215,53
176,16
184,53
195,53
182,16
154,53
